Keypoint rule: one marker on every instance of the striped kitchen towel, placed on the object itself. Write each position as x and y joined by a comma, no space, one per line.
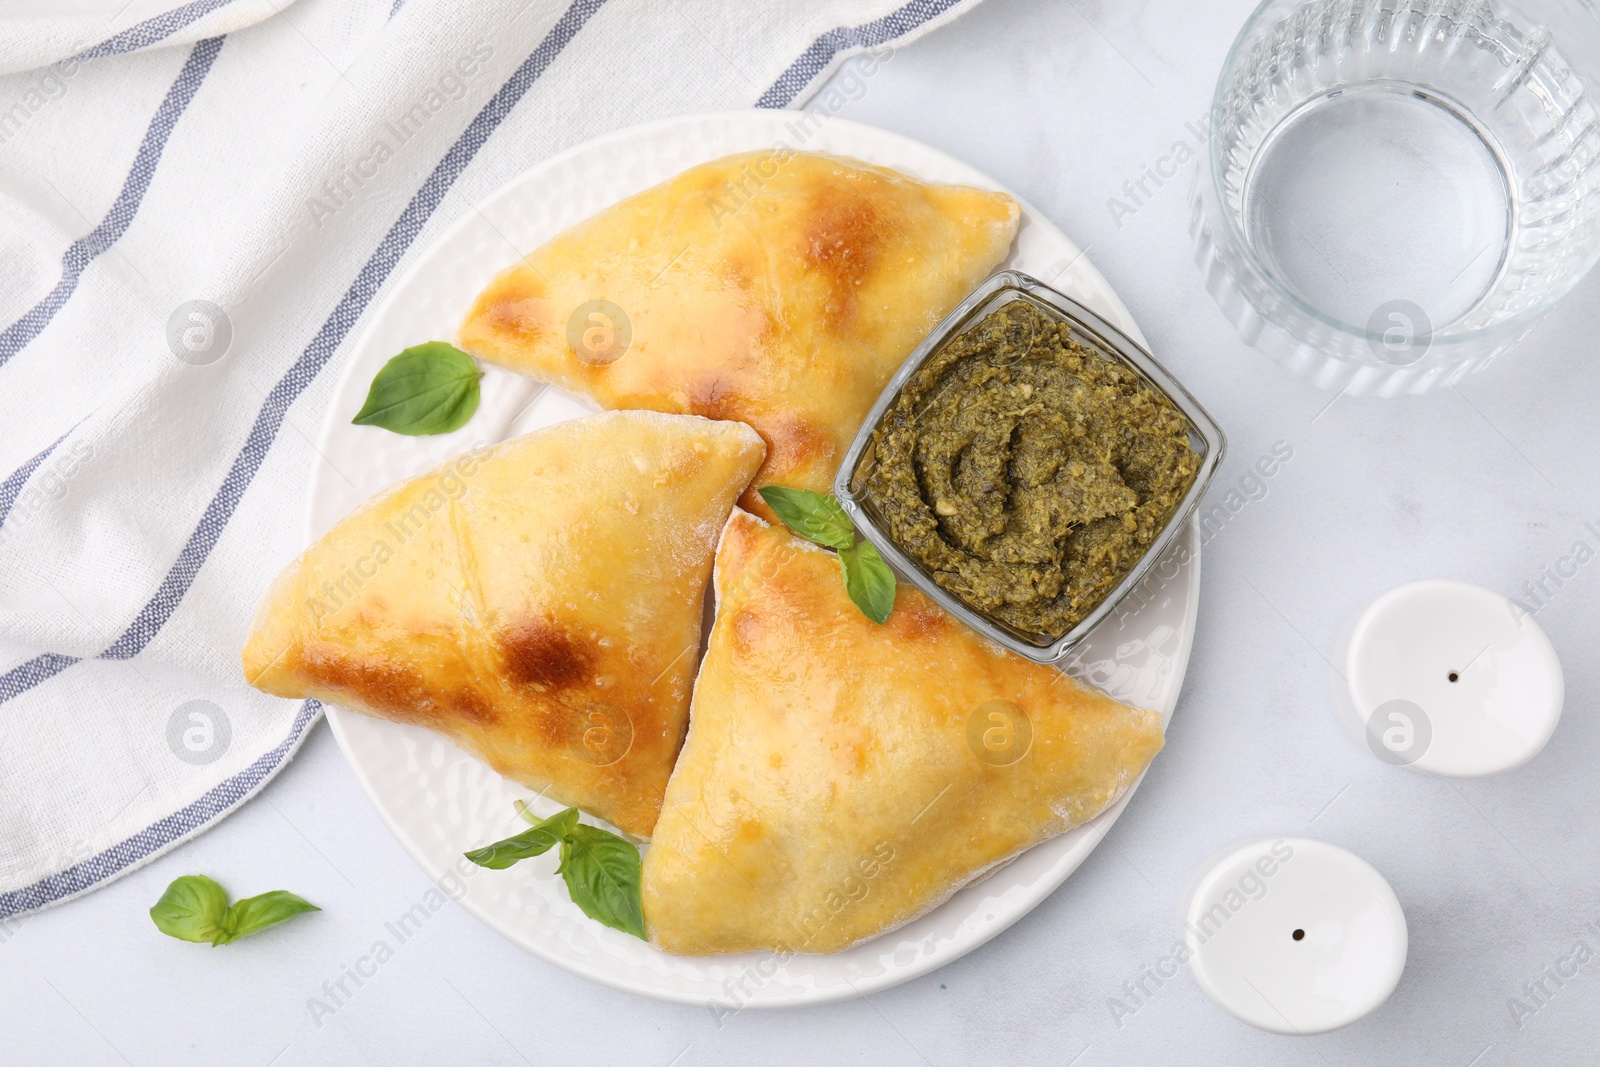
192,225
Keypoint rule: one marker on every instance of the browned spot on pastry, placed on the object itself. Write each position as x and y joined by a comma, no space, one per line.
395,690
843,238
518,316
923,623
382,686
795,444
542,654
471,706
714,398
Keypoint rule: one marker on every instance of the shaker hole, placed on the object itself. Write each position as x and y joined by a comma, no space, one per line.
1455,676
1299,935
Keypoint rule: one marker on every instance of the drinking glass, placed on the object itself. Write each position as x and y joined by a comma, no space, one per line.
1395,190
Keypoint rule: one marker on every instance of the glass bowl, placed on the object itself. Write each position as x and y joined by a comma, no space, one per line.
1394,191
1093,332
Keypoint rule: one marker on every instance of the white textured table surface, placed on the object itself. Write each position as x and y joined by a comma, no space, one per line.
1064,101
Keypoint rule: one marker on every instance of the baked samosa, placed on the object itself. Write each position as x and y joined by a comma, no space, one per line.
539,602
778,288
842,778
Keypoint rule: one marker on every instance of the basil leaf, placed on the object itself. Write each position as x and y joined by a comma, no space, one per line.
193,908
812,515
601,870
544,835
602,875
818,517
427,389
869,580
251,914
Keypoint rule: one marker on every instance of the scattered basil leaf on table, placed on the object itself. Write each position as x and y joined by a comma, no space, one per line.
192,909
544,835
814,516
195,908
251,914
818,517
427,389
868,580
601,870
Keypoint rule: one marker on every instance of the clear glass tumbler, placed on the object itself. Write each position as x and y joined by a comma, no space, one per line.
1396,190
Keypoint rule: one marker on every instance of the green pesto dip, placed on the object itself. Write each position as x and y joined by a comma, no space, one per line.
1026,472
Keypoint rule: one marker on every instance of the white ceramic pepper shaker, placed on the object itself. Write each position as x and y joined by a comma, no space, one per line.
1449,678
1294,935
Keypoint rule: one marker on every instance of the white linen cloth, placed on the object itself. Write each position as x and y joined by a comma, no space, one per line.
198,203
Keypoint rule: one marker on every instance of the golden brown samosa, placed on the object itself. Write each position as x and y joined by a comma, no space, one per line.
538,602
778,288
842,778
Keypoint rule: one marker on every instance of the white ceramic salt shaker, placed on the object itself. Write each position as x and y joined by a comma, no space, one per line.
1293,935
1449,678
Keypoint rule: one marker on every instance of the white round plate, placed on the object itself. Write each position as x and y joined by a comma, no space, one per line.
439,801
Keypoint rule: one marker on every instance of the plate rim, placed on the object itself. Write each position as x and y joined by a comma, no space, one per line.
864,985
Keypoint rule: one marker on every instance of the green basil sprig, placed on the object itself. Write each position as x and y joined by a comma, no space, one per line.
602,875
196,908
814,516
601,869
545,835
818,517
427,389
869,580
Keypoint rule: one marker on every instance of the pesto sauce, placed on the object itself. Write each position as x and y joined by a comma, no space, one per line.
1026,472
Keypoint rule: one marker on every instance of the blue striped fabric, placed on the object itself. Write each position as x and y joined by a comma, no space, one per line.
153,839
85,249
11,488
815,60
152,30
25,676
